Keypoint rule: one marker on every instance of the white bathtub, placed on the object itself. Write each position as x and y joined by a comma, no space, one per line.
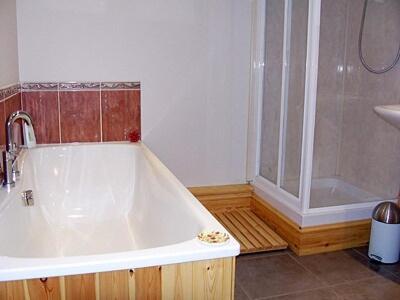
99,207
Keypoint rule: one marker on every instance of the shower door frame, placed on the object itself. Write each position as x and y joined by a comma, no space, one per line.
296,208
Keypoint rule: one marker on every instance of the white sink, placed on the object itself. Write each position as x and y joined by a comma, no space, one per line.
390,113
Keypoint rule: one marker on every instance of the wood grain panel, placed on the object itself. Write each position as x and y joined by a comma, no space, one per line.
80,287
148,283
326,238
314,239
233,189
280,224
114,285
224,204
12,290
45,288
208,280
131,285
177,281
228,278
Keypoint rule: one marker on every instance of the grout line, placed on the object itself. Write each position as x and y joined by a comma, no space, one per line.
360,253
379,272
59,111
292,293
323,284
259,255
38,90
101,117
5,99
22,102
243,290
353,281
308,270
330,287
346,281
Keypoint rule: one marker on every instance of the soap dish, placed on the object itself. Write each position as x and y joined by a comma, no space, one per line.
213,237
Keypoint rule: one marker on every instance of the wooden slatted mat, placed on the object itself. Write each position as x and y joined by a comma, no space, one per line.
250,231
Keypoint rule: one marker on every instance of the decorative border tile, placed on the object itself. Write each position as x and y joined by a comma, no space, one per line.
9,91
79,85
39,86
120,85
73,86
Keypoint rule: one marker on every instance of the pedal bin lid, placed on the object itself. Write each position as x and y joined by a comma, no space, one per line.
387,212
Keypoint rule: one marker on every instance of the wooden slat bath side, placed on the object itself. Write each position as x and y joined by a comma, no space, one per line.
12,290
148,283
47,288
177,281
113,285
206,279
80,287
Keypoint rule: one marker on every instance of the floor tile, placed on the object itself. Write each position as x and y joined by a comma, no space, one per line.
362,256
262,254
335,267
239,293
274,275
394,268
321,294
378,288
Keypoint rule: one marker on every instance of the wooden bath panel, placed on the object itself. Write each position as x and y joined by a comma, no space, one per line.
206,279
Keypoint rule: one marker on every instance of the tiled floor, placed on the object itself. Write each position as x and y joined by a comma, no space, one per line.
342,275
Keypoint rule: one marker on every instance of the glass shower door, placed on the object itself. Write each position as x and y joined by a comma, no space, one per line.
283,94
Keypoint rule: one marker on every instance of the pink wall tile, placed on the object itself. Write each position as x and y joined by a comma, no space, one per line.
12,104
120,114
80,116
43,107
2,122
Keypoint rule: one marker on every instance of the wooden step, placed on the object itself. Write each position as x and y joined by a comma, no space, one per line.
250,231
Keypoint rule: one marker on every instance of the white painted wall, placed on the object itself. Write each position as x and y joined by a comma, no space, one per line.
8,43
192,57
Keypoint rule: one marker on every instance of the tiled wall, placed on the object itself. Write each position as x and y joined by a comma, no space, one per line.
83,112
10,101
352,141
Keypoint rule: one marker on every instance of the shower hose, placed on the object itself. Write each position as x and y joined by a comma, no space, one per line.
360,52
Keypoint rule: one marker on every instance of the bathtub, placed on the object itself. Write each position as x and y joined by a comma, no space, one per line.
99,207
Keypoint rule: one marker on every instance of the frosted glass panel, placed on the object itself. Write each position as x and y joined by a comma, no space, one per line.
272,89
295,96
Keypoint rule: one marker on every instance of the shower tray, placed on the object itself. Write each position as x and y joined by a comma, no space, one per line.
335,191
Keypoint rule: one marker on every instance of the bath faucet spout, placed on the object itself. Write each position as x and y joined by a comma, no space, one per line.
11,152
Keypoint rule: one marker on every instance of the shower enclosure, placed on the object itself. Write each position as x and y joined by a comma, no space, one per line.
317,151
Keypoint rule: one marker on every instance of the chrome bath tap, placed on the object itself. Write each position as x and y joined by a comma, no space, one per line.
10,154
